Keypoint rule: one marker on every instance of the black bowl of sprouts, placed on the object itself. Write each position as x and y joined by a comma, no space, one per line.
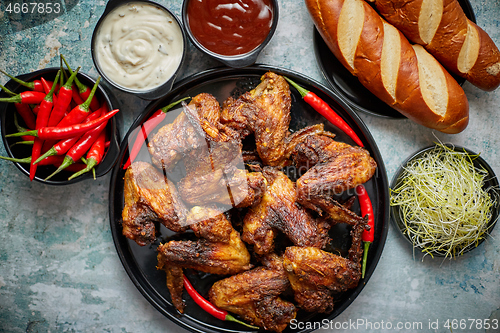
445,200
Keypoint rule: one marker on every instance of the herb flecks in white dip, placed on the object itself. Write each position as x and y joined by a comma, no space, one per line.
139,46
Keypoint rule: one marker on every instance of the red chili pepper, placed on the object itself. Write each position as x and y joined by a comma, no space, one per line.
63,146
35,109
26,97
24,110
45,110
27,114
94,155
368,235
81,111
209,307
83,90
146,128
78,150
76,97
47,86
63,100
42,120
36,85
61,133
326,111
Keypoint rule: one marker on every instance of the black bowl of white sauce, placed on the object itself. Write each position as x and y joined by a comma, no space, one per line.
139,47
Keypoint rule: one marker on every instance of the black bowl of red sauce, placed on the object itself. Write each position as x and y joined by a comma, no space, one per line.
233,32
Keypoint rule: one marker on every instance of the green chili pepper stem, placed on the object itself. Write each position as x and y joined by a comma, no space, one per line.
51,152
81,86
50,96
16,123
365,258
64,75
17,160
13,99
69,83
61,78
302,91
231,318
86,104
171,105
32,132
91,163
66,163
22,143
7,90
30,85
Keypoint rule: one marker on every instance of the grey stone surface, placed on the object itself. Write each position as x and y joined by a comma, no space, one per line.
59,271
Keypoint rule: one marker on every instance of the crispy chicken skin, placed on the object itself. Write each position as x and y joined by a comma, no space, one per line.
316,276
149,199
211,154
332,167
175,285
196,129
221,251
254,296
264,111
277,211
229,186
174,140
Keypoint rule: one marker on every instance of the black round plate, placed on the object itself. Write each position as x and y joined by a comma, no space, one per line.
490,185
348,86
140,262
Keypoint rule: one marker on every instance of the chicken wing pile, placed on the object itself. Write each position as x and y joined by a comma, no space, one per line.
237,212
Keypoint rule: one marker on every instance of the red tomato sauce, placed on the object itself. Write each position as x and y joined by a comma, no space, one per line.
230,27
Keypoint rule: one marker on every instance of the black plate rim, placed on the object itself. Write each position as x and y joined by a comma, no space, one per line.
137,276
388,111
478,161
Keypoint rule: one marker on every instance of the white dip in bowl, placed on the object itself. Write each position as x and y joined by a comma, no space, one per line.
138,46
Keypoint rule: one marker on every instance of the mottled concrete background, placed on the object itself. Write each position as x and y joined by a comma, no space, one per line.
59,271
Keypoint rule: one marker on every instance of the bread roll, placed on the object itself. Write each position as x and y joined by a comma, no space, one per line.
404,76
442,27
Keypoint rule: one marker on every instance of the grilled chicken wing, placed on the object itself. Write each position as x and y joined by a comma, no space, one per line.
277,211
316,276
220,251
264,111
175,285
228,186
254,295
332,167
211,154
176,139
150,199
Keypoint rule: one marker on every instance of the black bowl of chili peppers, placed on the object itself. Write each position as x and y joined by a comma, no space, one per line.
65,119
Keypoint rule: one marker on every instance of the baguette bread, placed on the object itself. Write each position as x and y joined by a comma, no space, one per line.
404,76
442,27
